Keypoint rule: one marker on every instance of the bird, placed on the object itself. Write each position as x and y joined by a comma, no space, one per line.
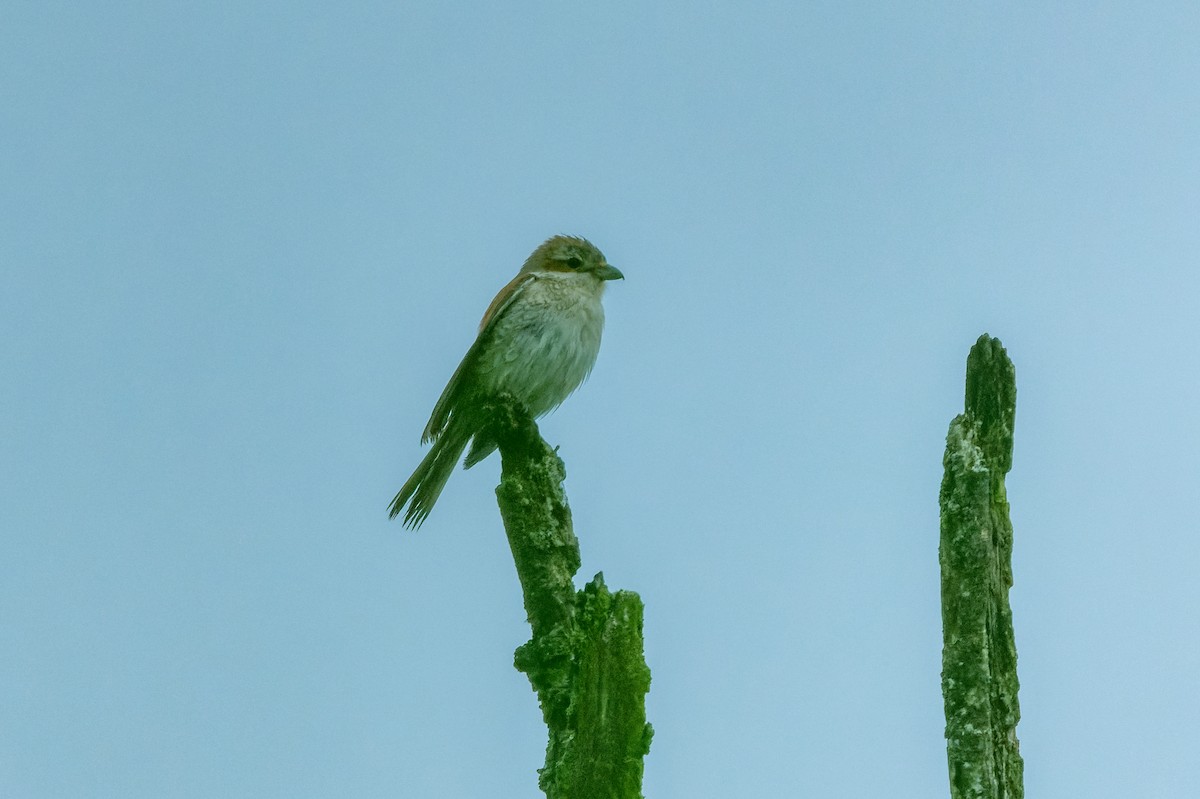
537,342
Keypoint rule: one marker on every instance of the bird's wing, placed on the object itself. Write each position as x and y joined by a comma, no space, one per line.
460,380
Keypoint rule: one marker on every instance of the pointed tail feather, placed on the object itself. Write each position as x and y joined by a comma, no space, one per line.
481,447
427,482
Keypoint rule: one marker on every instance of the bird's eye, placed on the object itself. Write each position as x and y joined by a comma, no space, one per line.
574,262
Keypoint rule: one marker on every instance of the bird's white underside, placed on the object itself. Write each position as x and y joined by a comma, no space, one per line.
545,344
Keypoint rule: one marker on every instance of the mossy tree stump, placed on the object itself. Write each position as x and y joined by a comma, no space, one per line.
979,657
584,658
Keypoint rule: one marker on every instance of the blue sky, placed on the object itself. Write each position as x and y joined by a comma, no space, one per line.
242,247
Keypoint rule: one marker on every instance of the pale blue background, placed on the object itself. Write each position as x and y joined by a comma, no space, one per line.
244,245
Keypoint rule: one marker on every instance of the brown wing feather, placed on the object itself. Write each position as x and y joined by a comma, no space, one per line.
458,381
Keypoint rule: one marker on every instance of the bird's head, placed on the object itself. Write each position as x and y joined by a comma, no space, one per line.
571,254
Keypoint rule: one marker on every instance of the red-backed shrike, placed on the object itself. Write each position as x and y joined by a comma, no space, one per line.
538,341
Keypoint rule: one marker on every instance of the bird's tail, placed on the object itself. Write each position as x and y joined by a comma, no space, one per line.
427,482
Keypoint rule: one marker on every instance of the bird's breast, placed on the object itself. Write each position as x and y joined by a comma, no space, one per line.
546,343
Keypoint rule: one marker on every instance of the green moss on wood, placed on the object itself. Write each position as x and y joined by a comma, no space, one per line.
979,656
584,658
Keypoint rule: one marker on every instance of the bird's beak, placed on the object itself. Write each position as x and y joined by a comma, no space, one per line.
606,272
